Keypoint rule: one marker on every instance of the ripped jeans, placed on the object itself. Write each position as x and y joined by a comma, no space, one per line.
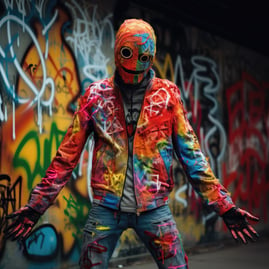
156,229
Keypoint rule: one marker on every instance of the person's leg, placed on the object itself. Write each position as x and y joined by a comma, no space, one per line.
101,234
157,229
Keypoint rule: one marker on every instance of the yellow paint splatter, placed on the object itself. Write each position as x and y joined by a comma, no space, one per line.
76,124
103,228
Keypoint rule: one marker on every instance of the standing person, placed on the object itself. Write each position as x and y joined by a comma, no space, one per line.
138,121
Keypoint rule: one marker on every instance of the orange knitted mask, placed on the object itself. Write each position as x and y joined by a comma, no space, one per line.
135,49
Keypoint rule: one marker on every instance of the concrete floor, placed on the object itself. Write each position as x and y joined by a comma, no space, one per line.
232,256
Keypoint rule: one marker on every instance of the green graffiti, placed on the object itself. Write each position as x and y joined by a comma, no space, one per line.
39,168
76,216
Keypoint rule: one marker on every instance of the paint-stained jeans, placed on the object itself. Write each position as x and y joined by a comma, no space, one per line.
156,228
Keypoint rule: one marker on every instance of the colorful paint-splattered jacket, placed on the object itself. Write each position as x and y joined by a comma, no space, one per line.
162,127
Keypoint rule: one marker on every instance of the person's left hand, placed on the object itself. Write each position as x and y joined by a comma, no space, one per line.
236,219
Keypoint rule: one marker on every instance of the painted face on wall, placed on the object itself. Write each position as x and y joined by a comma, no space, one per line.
135,49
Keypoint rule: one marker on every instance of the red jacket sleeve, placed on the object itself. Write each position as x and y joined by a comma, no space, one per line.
195,164
66,159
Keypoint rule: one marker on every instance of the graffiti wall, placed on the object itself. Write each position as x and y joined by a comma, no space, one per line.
51,50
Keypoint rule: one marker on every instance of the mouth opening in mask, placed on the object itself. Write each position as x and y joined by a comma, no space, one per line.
135,72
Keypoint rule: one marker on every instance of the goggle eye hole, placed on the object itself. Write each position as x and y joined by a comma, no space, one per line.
126,52
144,58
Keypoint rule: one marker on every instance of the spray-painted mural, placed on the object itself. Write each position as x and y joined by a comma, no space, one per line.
50,52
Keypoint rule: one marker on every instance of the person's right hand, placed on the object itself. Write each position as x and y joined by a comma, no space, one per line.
24,220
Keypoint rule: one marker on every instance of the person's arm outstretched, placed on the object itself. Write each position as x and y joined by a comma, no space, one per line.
203,180
57,174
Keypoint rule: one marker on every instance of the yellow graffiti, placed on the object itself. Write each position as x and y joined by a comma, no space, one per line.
186,222
61,67
165,69
127,237
192,229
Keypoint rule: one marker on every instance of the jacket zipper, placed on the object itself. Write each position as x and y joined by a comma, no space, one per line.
126,133
134,135
138,119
